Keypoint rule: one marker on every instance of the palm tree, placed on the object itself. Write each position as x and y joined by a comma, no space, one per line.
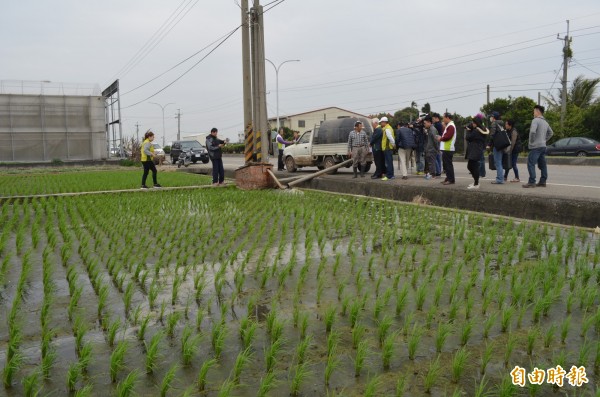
581,93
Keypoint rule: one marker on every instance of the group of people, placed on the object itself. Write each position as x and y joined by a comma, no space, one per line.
214,145
431,142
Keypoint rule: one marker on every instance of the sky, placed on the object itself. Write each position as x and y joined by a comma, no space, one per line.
367,57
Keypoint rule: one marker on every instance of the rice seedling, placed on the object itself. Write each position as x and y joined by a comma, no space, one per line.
242,360
486,356
506,388
267,383
532,336
372,386
401,300
206,366
141,333
167,381
488,324
301,373
458,365
330,315
117,360
332,364
345,304
125,388
433,373
387,350
413,341
85,356
466,331
507,314
564,329
400,386
302,348
172,321
73,375
272,352
357,334
549,335
219,334
113,328
355,310
189,344
383,327
47,364
303,324
421,295
128,298
31,384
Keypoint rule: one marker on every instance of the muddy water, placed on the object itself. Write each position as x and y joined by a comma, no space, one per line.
281,297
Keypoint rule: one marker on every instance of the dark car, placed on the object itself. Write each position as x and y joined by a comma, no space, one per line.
575,146
199,152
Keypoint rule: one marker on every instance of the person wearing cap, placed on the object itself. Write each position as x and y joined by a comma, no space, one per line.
281,145
215,153
496,126
375,144
358,145
388,144
447,141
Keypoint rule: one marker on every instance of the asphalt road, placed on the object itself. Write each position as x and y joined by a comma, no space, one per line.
563,181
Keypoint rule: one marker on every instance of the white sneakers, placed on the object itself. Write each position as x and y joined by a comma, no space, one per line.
473,186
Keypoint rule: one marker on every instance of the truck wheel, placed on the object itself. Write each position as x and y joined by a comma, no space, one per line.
330,162
290,164
174,161
204,161
320,167
367,167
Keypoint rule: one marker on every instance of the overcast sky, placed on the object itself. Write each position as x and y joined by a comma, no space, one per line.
365,56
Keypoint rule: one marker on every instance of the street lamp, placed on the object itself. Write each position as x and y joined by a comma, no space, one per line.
163,116
277,82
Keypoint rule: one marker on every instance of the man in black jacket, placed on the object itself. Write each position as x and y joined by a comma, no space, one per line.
215,152
405,141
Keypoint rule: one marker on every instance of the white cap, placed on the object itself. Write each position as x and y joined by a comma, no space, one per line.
384,119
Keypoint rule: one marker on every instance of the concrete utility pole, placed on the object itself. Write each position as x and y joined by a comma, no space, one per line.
566,58
259,97
137,130
178,117
488,94
246,69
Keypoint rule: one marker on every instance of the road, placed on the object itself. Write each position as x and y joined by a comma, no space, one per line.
572,181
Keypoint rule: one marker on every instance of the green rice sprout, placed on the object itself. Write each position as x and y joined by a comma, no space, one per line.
128,298
332,342
219,334
85,356
117,360
564,329
486,356
378,308
506,318
153,352
47,364
332,364
511,342
267,383
31,384
488,324
372,386
301,373
113,328
383,327
73,375
459,363
401,300
355,310
249,334
141,334
466,331
443,331
272,352
387,350
480,390
206,365
153,294
167,381
400,386
345,304
243,359
172,321
453,312
303,325
433,373
532,336
413,342
506,388
189,345
330,315
362,351
549,335
125,388
421,295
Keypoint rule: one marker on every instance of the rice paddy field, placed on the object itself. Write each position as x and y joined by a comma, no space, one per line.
222,292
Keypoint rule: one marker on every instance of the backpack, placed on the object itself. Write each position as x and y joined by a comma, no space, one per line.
501,139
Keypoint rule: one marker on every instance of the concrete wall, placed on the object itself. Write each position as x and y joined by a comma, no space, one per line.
44,128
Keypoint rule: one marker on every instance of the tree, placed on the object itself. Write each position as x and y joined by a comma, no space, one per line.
581,94
407,114
426,108
591,121
500,105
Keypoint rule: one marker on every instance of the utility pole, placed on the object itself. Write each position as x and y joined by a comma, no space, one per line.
539,98
488,94
259,99
246,81
137,130
178,117
566,58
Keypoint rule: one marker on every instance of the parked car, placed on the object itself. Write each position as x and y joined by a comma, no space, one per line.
159,153
574,146
325,145
118,152
199,152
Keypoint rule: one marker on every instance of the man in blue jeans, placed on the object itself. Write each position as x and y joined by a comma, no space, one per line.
497,127
388,144
539,134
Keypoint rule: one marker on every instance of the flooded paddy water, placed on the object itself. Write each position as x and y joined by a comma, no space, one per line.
220,292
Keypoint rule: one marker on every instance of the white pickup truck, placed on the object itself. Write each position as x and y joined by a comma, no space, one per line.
325,145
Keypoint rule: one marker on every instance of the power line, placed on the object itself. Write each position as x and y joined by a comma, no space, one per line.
187,71
585,67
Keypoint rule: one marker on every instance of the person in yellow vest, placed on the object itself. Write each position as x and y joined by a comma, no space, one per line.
147,157
388,144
